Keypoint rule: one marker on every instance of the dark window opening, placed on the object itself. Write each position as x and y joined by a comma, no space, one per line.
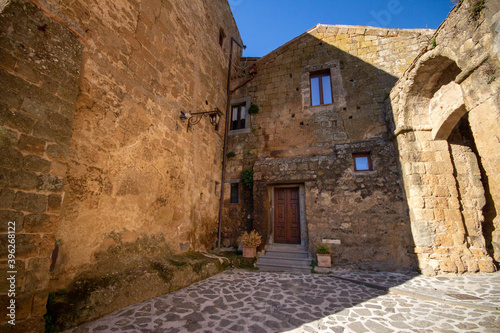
321,88
362,162
238,117
234,193
222,36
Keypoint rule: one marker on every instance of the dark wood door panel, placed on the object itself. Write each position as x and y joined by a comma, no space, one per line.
286,215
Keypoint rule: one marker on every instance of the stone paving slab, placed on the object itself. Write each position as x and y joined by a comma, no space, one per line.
476,290
244,301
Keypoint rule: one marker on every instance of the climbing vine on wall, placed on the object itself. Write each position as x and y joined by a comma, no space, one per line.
247,177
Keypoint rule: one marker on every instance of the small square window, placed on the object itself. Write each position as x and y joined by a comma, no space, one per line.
362,162
238,116
321,88
234,193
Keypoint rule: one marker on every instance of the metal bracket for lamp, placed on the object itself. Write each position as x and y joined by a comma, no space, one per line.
195,117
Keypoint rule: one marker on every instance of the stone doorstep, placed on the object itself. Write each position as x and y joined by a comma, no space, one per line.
287,254
285,258
271,260
283,268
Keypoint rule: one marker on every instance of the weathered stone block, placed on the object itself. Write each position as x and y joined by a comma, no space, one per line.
40,223
37,274
6,198
50,132
452,215
17,120
423,214
57,151
7,216
8,138
30,202
17,178
486,266
54,202
420,191
59,169
439,214
11,158
31,144
472,266
440,191
26,245
50,183
39,307
448,266
35,163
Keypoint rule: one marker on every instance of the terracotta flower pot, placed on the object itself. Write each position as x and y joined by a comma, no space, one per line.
324,260
249,251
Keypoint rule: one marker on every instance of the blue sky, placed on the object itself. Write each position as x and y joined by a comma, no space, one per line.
266,24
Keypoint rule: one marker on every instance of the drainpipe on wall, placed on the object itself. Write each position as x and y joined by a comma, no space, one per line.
228,108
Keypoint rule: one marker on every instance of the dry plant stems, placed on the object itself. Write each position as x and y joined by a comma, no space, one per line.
250,239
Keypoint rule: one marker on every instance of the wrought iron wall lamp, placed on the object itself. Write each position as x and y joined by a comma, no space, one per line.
195,117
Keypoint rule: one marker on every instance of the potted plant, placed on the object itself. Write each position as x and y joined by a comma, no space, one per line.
250,241
324,257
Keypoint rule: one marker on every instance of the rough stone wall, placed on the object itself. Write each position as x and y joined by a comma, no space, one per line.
100,117
134,167
446,118
288,138
374,234
39,70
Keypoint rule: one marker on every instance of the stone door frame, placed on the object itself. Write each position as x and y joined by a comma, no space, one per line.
302,213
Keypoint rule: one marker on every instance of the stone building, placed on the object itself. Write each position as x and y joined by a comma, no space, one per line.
97,167
398,102
381,143
324,168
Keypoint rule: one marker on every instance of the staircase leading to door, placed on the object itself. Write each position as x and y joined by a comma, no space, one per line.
285,258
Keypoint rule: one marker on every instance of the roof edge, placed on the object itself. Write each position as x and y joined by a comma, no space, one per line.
340,26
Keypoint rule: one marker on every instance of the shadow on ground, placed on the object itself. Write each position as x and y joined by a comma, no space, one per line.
244,301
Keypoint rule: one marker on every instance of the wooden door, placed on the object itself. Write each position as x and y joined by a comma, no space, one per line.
286,215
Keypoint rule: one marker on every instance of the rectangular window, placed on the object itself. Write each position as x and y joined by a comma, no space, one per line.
238,117
234,193
321,88
362,162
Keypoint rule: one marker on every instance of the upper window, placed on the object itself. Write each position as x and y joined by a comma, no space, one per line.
321,88
238,116
362,162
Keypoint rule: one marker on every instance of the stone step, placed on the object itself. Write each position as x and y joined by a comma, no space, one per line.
298,254
285,268
270,260
285,257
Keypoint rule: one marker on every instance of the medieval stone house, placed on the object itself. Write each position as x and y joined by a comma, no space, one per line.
390,175
382,143
324,167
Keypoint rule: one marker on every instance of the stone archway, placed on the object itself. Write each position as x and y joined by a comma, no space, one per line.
441,169
446,108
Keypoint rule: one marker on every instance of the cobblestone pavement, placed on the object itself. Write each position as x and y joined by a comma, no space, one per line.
244,301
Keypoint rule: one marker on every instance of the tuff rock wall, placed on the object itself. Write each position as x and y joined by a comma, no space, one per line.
97,162
39,72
